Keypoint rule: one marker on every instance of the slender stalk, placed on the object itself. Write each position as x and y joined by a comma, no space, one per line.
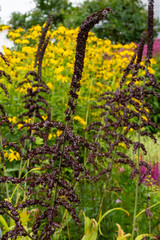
4,167
87,114
137,165
68,227
53,200
149,219
108,177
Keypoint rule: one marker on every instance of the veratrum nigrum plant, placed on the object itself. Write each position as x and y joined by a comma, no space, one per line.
48,188
125,109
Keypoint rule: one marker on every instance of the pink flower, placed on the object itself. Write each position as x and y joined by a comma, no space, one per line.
155,169
118,201
122,170
156,48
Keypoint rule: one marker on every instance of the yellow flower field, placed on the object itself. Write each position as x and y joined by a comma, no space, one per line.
103,68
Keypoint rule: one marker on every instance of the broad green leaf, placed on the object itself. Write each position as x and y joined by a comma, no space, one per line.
144,235
92,232
4,223
87,223
91,229
24,217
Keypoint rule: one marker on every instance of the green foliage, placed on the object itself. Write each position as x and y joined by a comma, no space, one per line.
153,100
92,226
126,24
40,14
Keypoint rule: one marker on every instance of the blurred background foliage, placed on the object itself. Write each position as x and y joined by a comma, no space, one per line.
124,25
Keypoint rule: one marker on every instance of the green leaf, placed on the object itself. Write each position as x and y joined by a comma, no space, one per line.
125,236
144,235
12,170
145,209
24,217
39,141
91,229
109,211
101,218
4,223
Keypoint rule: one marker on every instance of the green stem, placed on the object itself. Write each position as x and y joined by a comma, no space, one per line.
53,200
108,177
86,120
137,165
4,167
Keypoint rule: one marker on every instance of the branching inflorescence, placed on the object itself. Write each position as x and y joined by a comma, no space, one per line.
123,109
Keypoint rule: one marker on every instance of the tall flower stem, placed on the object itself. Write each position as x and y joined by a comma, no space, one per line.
53,200
137,163
136,191
4,167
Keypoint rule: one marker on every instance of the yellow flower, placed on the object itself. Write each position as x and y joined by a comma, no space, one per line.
13,155
28,50
59,69
35,28
153,61
50,136
131,130
99,84
17,41
5,153
4,27
1,68
7,51
80,120
24,41
12,120
50,85
28,120
44,117
122,145
19,125
59,133
144,118
146,109
14,35
109,88
19,30
128,82
150,70
62,29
